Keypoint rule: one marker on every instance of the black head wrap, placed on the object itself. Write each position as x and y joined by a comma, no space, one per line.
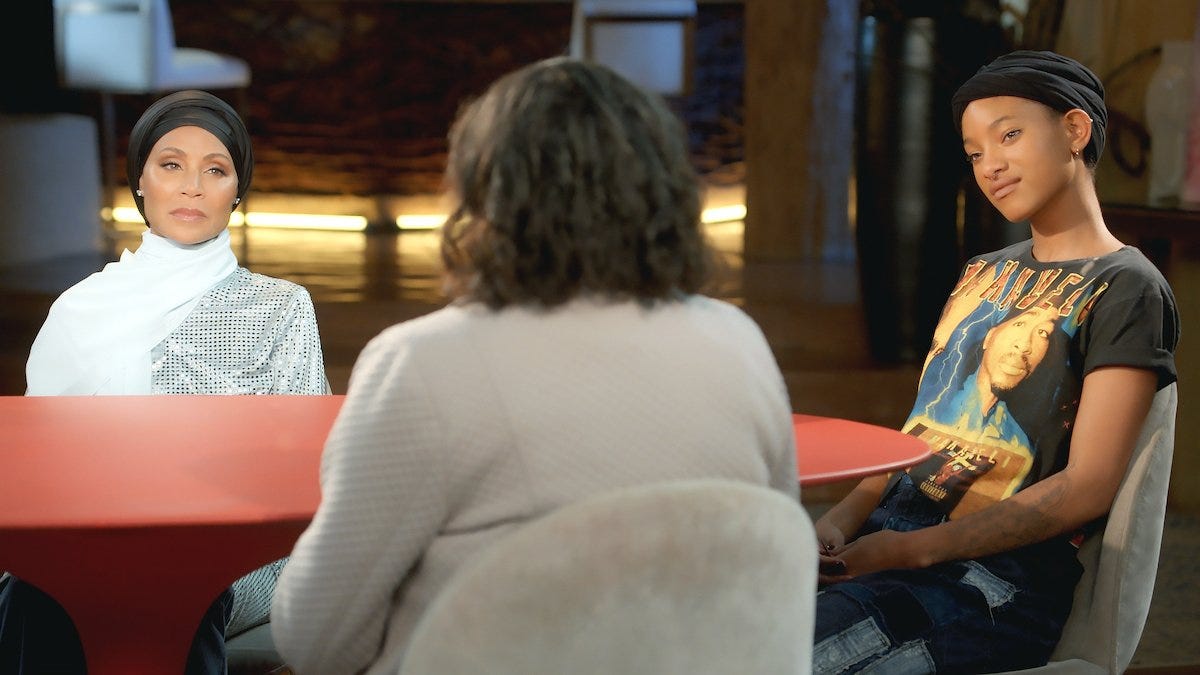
1046,77
191,108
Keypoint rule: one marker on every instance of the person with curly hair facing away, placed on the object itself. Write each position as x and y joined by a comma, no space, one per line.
578,356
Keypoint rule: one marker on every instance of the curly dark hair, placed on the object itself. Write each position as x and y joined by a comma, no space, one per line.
570,180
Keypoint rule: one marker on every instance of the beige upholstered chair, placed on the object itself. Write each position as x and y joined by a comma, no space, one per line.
1113,597
690,577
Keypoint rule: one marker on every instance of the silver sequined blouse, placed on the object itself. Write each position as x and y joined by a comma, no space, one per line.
250,334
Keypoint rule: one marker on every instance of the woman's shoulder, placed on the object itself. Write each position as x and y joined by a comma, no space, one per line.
684,311
1125,274
260,287
438,325
722,312
463,319
709,304
1131,260
266,283
1131,275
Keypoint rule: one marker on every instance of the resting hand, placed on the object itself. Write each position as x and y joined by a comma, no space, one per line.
883,550
830,538
830,541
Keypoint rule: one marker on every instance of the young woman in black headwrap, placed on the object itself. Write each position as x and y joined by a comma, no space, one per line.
1036,387
176,316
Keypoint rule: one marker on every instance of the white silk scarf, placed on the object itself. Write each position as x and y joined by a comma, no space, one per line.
99,333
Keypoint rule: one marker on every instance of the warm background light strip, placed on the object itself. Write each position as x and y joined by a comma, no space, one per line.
723,214
420,221
306,221
301,221
407,221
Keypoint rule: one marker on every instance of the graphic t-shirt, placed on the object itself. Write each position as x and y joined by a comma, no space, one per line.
1000,386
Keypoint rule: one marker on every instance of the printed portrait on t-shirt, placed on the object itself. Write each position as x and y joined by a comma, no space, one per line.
992,390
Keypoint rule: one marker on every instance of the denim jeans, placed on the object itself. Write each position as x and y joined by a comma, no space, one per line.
1002,612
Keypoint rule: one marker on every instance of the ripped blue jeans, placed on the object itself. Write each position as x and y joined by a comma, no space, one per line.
1002,612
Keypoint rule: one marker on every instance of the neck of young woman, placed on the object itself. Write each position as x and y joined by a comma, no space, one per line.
1071,226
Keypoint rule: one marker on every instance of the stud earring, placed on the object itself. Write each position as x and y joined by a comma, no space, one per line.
138,193
1075,152
237,200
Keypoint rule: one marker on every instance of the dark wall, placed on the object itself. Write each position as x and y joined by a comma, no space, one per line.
356,96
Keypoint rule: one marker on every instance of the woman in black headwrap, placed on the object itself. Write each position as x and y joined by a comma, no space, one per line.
1040,377
178,307
176,316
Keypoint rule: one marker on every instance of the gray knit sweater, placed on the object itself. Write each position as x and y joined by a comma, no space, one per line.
466,422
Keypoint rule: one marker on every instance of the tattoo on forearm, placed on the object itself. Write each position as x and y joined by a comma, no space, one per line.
1013,523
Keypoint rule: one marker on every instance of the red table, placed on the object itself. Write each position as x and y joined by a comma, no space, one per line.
829,449
134,512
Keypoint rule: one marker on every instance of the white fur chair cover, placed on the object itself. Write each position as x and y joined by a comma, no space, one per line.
691,577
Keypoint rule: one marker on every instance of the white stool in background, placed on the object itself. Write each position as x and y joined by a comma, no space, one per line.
128,47
649,42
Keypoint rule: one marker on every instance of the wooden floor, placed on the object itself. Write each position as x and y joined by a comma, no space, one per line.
810,313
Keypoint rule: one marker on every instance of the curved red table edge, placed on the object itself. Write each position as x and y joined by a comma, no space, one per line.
855,449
